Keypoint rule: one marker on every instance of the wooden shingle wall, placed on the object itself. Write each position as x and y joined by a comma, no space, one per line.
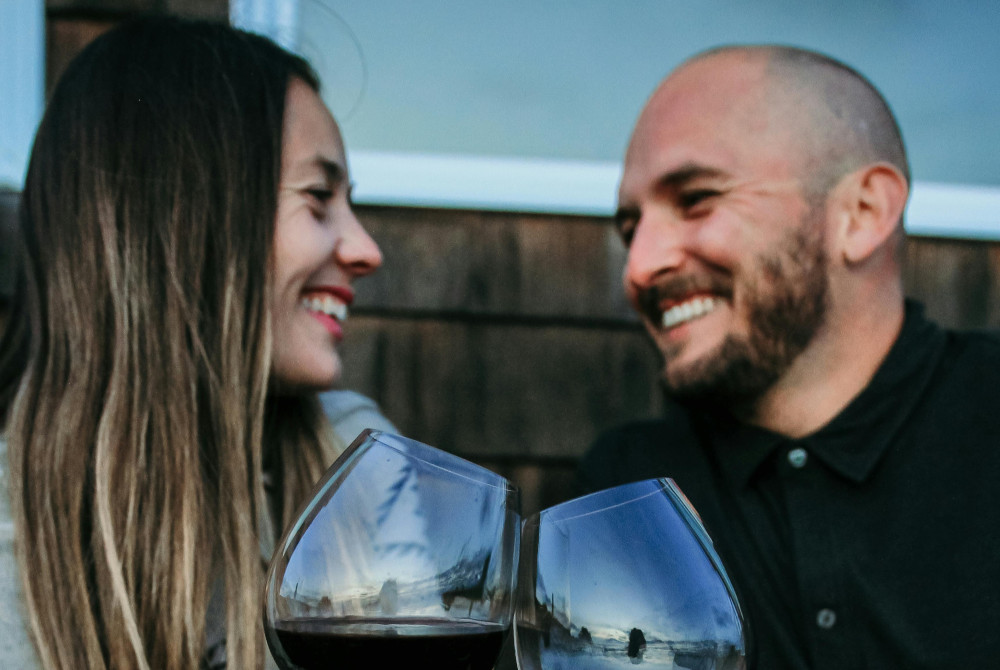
505,337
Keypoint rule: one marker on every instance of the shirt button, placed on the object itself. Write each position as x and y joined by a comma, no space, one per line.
798,457
826,618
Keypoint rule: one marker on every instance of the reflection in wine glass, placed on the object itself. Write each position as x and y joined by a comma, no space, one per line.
403,552
624,577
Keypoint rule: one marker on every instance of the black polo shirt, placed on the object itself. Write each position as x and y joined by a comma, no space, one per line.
872,543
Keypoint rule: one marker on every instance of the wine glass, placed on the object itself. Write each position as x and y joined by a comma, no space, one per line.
622,577
404,553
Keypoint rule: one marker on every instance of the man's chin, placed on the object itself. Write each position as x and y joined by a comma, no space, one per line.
727,375
684,368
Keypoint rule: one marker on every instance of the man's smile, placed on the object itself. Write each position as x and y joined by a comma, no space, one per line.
688,310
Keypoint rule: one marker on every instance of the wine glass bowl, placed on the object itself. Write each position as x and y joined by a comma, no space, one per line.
403,552
626,576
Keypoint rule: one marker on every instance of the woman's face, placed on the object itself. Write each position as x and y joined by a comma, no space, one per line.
320,247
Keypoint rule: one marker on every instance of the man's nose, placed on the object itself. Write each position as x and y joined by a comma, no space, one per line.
658,248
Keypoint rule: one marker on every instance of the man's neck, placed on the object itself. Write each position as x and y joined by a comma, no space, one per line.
826,377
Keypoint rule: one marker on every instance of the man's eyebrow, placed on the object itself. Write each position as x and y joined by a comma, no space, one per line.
686,173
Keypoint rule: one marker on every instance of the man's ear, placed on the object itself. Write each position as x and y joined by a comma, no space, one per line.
867,204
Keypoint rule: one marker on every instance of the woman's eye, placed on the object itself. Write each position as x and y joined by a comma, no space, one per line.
320,194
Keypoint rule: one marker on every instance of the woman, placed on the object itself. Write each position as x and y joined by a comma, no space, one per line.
188,246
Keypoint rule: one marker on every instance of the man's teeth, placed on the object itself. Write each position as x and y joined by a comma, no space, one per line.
327,305
686,311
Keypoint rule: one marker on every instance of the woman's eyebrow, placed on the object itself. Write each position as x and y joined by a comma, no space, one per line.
335,172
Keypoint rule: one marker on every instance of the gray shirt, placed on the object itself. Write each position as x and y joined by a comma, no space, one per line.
16,649
350,413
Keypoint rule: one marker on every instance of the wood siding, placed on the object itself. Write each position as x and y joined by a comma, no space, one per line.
506,338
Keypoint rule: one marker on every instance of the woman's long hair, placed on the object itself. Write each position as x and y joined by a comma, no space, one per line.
135,370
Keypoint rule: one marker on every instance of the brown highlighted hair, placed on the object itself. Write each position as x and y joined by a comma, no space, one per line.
135,370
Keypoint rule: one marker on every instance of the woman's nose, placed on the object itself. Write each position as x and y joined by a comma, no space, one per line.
357,251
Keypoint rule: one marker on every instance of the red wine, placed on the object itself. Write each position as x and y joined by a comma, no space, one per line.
444,644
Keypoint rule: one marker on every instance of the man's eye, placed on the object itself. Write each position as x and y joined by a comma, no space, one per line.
626,222
689,199
627,231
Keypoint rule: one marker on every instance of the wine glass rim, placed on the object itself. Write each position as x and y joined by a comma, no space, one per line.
486,476
644,489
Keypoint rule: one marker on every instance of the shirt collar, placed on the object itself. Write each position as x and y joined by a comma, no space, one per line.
878,413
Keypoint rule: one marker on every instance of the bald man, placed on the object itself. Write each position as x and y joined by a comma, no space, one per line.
843,451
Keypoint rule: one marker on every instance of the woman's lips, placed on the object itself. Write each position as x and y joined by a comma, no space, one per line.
328,305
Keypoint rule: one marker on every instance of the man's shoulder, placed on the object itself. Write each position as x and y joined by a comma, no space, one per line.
972,357
975,342
961,394
952,361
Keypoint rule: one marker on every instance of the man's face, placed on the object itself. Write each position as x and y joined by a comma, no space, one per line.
726,262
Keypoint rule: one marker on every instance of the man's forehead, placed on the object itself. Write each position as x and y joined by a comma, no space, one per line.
710,111
714,83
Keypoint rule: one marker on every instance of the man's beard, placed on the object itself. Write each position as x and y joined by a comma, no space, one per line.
785,303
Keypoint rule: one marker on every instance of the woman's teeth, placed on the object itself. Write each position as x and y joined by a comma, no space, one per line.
686,311
327,305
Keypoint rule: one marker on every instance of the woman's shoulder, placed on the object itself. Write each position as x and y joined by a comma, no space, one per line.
6,519
16,649
350,413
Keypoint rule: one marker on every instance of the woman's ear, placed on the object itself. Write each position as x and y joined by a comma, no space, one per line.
868,206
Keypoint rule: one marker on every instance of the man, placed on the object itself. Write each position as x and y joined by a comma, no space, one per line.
842,451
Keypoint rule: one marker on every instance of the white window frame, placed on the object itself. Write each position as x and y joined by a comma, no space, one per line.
958,211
